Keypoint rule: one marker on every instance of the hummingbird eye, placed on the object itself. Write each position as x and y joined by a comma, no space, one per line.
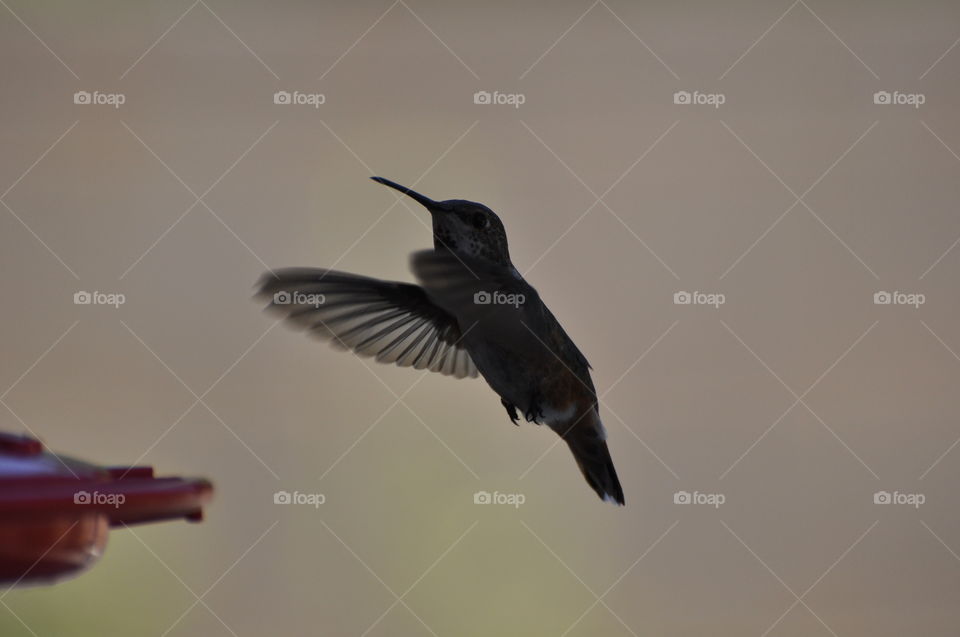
480,221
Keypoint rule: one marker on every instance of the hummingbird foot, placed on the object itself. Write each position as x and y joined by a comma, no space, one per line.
511,411
534,413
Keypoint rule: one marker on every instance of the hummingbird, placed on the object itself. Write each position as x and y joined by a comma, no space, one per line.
471,314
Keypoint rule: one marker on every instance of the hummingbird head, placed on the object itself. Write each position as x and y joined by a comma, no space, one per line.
463,227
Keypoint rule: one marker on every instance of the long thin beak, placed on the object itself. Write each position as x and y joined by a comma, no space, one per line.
429,204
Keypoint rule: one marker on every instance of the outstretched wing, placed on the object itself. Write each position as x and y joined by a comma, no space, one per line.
393,322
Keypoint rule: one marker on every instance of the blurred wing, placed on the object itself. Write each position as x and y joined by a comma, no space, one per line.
455,281
489,298
469,286
393,322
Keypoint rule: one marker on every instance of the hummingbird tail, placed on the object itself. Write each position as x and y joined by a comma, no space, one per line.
590,450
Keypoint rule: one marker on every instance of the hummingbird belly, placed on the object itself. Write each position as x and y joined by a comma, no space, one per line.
509,374
533,384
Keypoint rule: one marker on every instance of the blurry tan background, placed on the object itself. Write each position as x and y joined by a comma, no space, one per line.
797,199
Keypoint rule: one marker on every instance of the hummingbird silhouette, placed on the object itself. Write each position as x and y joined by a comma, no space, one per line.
472,313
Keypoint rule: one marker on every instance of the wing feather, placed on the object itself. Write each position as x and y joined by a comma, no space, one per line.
392,322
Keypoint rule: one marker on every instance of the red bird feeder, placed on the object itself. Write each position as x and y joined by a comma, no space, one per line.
56,512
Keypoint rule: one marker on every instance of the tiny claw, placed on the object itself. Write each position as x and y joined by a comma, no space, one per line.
534,414
511,411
